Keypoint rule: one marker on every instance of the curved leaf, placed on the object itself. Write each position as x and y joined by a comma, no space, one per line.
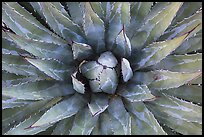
143,121
194,43
179,115
186,10
81,51
24,24
191,93
93,27
61,24
43,49
127,72
62,110
135,93
181,63
115,121
157,51
38,90
77,84
163,79
75,12
119,18
98,104
155,23
17,65
22,128
122,46
138,12
192,23
83,123
63,127
53,68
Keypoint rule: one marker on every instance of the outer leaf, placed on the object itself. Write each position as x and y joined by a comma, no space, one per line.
83,123
43,49
135,93
22,128
191,93
97,8
64,126
52,68
77,85
98,104
61,24
143,121
186,25
17,65
181,63
81,51
93,27
155,52
181,116
122,45
62,110
12,117
127,72
61,8
13,102
155,23
194,43
186,10
75,12
163,79
38,90
138,11
120,15
116,121
24,24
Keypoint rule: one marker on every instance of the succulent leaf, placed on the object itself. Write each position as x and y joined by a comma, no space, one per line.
138,11
141,117
120,17
135,93
122,45
119,116
22,128
75,12
175,113
181,63
77,85
17,65
98,104
81,51
24,24
43,49
38,90
155,52
64,126
61,110
163,79
53,68
83,123
93,27
127,72
155,23
191,93
192,23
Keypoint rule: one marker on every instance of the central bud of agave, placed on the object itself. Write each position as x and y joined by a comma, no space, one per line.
101,73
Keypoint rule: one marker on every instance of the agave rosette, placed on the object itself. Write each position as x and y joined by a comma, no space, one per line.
101,68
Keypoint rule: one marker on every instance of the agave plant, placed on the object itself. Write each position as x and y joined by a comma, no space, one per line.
101,68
